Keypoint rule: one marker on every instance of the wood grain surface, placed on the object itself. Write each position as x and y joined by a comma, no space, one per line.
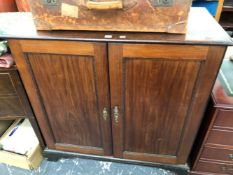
202,29
224,119
68,94
171,19
212,152
11,95
160,90
154,91
67,88
214,167
157,96
217,154
6,86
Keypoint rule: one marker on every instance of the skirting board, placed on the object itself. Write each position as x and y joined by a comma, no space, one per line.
55,155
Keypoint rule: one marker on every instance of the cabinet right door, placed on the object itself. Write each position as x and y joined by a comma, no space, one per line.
158,96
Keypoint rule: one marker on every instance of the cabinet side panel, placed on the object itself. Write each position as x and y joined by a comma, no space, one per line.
202,94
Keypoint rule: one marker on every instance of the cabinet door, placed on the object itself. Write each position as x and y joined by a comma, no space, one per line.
158,95
67,83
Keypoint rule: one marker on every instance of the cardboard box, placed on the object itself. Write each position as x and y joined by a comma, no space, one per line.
31,160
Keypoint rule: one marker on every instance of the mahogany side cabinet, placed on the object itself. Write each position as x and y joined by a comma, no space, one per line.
138,96
213,153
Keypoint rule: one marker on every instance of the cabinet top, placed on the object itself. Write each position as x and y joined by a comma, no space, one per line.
202,29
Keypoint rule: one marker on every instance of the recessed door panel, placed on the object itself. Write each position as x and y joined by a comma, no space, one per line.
157,95
67,87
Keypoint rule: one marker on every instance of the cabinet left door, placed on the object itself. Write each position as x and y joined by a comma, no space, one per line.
67,83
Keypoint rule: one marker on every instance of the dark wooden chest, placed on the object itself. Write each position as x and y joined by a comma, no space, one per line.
112,15
214,151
